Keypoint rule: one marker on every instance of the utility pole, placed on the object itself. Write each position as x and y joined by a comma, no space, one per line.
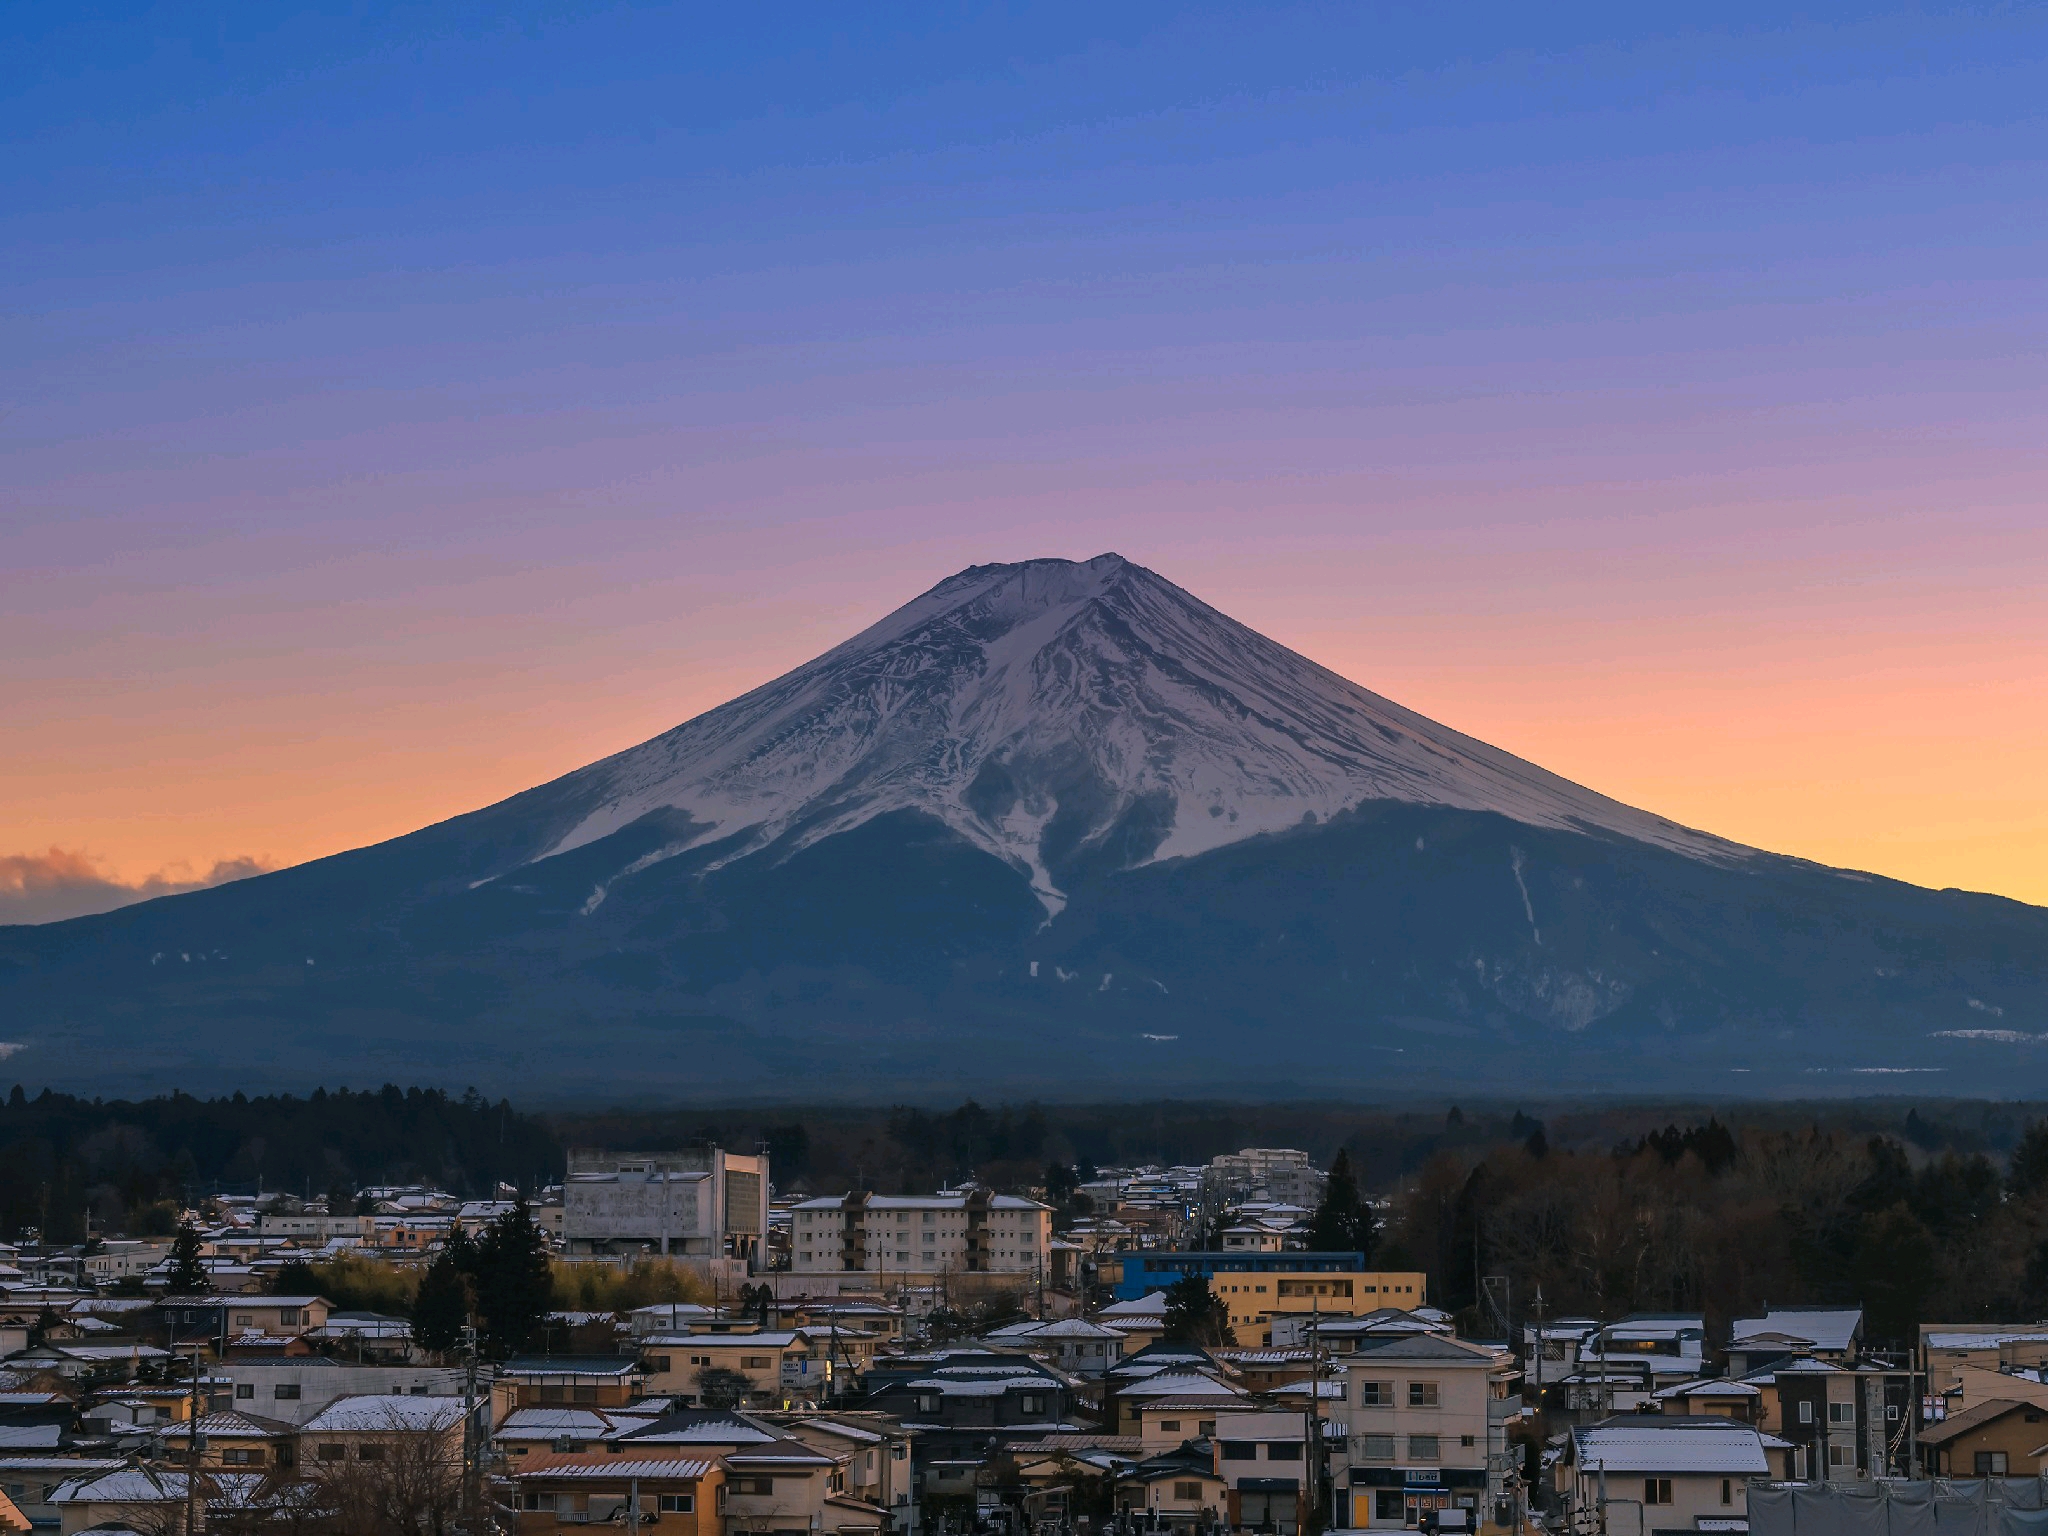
472,1442
194,1444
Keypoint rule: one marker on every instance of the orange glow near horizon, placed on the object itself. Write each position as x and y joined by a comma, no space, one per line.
1867,696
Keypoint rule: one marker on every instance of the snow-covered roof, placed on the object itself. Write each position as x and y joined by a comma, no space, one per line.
921,1203
1190,1384
371,1413
1834,1329
1708,1387
618,1466
568,1423
1981,1338
1729,1448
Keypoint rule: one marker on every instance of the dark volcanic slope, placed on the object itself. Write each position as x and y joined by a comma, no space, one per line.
998,908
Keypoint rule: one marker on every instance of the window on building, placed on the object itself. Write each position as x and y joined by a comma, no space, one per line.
1806,1413
1031,1402
1990,1464
1727,1490
238,1456
679,1503
1656,1490
285,1392
1424,1448
288,1316
1240,1450
1375,1394
755,1362
1841,1413
658,1362
1169,1426
1375,1447
1187,1492
1465,1441
757,1485
370,1451
1421,1394
1283,1450
1841,1455
329,1452
244,1390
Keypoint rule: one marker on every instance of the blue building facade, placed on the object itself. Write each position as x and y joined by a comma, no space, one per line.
1156,1269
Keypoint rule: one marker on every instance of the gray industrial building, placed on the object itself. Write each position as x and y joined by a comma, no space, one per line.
701,1202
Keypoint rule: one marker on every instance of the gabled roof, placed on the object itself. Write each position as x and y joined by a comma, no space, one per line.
779,1453
385,1413
1423,1346
1973,1418
568,1424
1834,1329
1642,1444
698,1426
231,1425
647,1470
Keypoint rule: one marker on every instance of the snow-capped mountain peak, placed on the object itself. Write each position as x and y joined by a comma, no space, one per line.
1061,715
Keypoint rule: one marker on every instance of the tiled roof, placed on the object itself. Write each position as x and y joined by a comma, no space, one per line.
649,1469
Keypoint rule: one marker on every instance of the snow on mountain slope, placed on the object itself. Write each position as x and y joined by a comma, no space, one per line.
1053,709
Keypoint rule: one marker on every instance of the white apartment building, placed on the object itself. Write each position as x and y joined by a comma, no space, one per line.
920,1239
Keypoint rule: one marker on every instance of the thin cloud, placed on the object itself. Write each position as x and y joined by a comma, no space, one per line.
48,887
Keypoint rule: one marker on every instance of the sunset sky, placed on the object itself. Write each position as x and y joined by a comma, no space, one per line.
400,406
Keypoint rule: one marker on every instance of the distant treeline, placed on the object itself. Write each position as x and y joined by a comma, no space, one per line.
1923,1211
130,1163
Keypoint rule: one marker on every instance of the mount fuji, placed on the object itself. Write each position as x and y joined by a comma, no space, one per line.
1057,828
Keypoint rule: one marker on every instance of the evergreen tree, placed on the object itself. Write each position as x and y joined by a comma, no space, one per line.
1195,1314
1342,1222
514,1282
295,1278
2028,1170
188,1276
441,1309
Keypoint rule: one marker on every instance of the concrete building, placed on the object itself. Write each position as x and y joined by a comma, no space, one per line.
1428,1419
921,1239
1255,1298
702,1202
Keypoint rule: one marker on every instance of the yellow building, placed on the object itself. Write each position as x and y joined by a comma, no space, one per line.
1255,1297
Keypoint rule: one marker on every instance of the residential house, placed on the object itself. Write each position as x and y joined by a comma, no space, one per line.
1427,1418
31,1482
589,1381
1268,1468
684,1365
1073,1344
296,1389
370,1429
193,1318
1832,1334
673,1495
786,1486
564,1431
1712,1397
1679,1475
1178,1490
1992,1439
1946,1349
237,1441
874,1457
145,1499
1846,1423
